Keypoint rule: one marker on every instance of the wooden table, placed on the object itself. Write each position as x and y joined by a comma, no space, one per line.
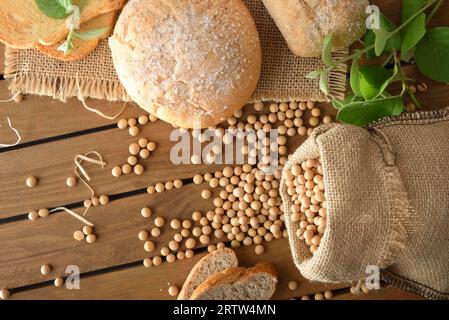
111,268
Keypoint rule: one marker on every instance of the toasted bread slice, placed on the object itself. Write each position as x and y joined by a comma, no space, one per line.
23,25
82,48
214,262
257,283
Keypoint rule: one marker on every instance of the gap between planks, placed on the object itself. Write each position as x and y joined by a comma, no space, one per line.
141,283
53,162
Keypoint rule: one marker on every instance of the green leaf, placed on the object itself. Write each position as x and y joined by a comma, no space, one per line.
52,8
323,83
394,42
432,54
355,76
372,80
327,51
382,37
314,74
412,34
362,113
410,7
91,34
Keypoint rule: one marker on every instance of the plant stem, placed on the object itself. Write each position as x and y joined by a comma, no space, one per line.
405,87
434,10
69,42
387,61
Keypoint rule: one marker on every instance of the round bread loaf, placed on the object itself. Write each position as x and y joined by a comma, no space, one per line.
192,63
304,24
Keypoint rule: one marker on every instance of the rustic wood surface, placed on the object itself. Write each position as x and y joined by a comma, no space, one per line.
52,134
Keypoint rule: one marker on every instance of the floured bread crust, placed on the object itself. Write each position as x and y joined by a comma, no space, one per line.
305,23
192,63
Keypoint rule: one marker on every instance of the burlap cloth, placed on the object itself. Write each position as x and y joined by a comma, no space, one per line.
283,74
387,195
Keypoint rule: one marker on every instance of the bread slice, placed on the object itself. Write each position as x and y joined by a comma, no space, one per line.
257,283
82,48
23,25
214,262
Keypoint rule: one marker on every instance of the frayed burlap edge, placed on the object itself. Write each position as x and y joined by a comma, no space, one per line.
65,87
337,77
396,242
58,87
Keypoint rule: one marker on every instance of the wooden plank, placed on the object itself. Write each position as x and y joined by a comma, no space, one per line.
27,245
390,8
387,293
152,283
437,95
53,162
38,117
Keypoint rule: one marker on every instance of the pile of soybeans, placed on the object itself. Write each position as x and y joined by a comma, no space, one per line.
305,185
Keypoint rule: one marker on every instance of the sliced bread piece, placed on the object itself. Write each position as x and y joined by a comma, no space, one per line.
23,25
257,283
214,262
82,48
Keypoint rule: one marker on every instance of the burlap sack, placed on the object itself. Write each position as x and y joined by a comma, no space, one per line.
387,195
282,79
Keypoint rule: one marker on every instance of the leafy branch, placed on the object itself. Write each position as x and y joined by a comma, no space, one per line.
411,40
64,9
